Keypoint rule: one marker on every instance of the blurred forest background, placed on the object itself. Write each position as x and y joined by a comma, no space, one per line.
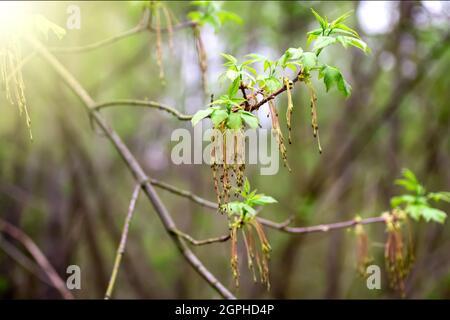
69,190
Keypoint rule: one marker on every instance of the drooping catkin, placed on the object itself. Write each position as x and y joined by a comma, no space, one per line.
234,256
11,74
265,250
362,249
278,134
290,107
314,122
396,263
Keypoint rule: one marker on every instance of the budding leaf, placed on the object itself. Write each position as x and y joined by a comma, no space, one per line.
201,114
262,200
322,21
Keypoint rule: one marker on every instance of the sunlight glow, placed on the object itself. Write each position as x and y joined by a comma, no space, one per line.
12,16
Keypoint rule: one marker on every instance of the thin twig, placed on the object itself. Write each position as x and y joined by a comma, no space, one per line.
23,260
144,103
38,256
273,95
143,25
134,167
184,193
281,226
123,242
201,242
320,227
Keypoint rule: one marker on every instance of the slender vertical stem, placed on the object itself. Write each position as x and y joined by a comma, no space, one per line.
123,242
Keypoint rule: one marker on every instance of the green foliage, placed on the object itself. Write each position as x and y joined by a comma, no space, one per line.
332,76
417,205
335,32
245,209
210,12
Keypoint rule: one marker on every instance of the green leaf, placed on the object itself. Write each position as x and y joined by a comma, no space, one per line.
272,84
342,18
312,35
267,64
332,76
246,186
231,74
290,54
351,41
234,87
234,120
323,23
433,214
439,196
195,16
249,209
250,119
263,200
218,116
409,175
404,199
256,57
45,26
201,114
323,41
414,211
340,27
229,16
229,57
309,60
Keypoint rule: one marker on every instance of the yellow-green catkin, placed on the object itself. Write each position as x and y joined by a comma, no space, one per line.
11,75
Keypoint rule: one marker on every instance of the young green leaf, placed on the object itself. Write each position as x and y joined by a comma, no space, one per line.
323,41
201,114
229,58
234,120
218,116
250,119
234,87
332,76
433,214
263,200
340,19
322,21
309,60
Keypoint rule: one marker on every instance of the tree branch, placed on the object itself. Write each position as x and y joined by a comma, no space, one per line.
143,25
321,227
23,260
200,242
184,193
144,103
272,96
38,256
134,167
281,226
123,242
